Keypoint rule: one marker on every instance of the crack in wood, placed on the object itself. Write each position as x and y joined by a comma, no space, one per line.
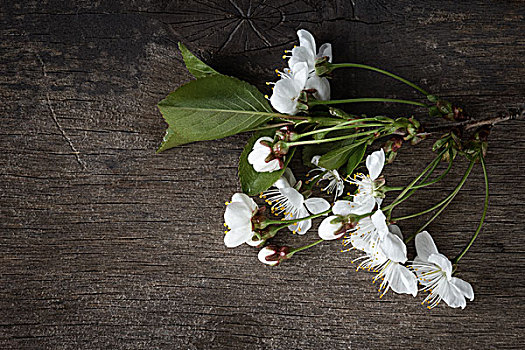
55,119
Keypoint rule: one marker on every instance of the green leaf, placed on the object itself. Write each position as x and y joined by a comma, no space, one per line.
336,158
252,182
195,66
355,158
212,108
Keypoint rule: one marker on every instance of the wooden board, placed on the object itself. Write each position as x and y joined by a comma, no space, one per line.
104,244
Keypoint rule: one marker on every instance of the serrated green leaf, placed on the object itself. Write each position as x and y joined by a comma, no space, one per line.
355,158
252,182
195,66
212,108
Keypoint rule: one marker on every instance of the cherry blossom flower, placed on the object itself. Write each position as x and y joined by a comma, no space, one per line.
285,199
286,91
238,218
335,226
272,255
434,272
306,51
368,185
336,184
387,261
262,157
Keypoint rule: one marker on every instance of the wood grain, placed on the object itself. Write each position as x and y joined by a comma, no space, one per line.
106,245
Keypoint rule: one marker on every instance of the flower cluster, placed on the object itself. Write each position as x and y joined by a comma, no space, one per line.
363,226
335,144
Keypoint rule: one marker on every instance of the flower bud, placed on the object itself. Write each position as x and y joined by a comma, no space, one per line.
280,148
322,66
272,255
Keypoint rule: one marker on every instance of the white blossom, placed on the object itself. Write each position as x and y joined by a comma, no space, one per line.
336,184
287,200
434,272
261,157
368,185
238,218
387,261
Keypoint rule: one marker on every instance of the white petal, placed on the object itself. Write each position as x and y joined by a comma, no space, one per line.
235,238
325,50
443,263
395,230
394,248
288,175
327,230
315,160
253,241
363,204
263,253
237,215
293,197
464,287
359,243
303,226
317,205
375,163
403,281
452,295
258,143
284,97
266,167
300,75
379,221
425,245
321,85
242,198
343,208
306,40
301,55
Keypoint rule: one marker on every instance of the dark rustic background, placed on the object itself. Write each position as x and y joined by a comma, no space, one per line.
104,244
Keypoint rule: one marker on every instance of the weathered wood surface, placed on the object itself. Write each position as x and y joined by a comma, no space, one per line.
104,244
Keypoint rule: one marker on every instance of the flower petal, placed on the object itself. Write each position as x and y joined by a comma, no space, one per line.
263,253
425,245
321,85
315,160
375,163
316,205
237,215
443,263
395,230
325,50
236,237
402,280
327,230
306,40
363,204
253,241
242,198
293,197
379,221
452,295
394,248
464,287
284,97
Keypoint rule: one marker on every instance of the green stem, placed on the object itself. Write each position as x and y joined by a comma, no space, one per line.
483,215
293,251
310,142
443,204
288,222
367,99
439,178
342,126
364,66
430,166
